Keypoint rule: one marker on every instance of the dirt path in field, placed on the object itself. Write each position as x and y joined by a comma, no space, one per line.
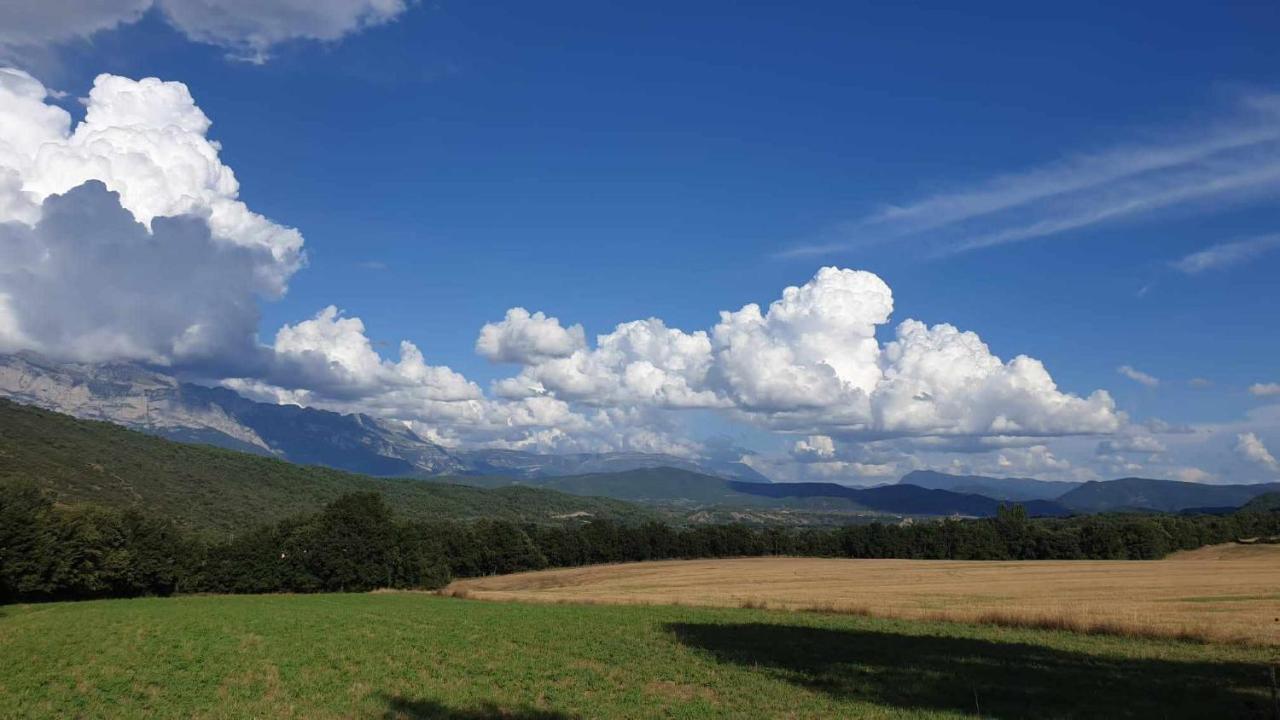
1227,592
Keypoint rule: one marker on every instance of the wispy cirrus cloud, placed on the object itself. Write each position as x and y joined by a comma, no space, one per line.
1224,255
1234,159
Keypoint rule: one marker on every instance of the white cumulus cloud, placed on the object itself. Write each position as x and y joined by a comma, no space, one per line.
811,362
1250,447
527,338
124,237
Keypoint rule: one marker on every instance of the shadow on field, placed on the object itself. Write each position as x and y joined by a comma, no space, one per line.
402,708
989,679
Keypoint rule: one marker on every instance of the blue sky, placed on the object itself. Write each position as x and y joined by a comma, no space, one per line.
605,164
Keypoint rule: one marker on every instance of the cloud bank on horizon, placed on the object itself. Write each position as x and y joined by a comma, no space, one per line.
104,224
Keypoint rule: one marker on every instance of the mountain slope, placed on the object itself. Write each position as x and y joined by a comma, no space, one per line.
156,403
153,402
1017,489
1161,495
215,489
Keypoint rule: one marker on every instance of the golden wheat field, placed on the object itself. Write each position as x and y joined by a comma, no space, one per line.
1226,593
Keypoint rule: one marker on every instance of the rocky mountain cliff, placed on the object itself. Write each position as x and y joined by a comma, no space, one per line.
159,404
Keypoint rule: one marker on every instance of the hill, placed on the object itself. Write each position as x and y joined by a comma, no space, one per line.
1160,495
901,499
683,488
1016,489
1266,501
215,489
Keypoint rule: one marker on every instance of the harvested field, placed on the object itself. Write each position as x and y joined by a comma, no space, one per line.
1223,593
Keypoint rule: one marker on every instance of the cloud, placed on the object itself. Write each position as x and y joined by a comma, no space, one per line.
1138,376
144,139
1224,255
1193,474
818,447
247,29
1234,159
811,363
527,338
120,291
1198,382
101,228
1251,448
1264,389
1130,444
104,223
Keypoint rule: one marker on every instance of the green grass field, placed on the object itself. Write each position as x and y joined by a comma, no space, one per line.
413,655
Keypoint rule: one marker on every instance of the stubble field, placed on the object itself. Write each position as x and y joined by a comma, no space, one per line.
1224,593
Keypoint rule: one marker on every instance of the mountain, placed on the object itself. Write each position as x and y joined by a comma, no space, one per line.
679,487
903,499
1160,495
214,489
527,465
1015,489
145,399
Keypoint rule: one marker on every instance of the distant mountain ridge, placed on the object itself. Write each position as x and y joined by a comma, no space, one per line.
1161,495
150,401
683,488
1014,488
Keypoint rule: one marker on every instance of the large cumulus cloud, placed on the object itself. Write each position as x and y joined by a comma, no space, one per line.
811,362
124,238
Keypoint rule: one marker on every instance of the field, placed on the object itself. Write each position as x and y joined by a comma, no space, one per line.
1229,592
407,655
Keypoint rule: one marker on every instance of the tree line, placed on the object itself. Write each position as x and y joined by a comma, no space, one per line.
53,552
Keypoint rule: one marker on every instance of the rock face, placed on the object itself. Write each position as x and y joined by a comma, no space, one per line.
159,404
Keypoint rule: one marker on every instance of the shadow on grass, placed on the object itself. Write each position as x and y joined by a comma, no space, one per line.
982,677
402,708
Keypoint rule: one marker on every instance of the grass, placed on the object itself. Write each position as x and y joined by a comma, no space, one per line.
1222,593
413,655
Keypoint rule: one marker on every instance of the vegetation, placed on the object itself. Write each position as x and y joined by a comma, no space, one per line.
394,655
211,489
52,552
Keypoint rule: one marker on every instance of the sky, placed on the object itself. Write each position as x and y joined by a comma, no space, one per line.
1053,234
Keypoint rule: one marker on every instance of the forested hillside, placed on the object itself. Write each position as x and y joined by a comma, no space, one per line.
207,488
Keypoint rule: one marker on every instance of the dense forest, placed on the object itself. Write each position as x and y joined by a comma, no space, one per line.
356,543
